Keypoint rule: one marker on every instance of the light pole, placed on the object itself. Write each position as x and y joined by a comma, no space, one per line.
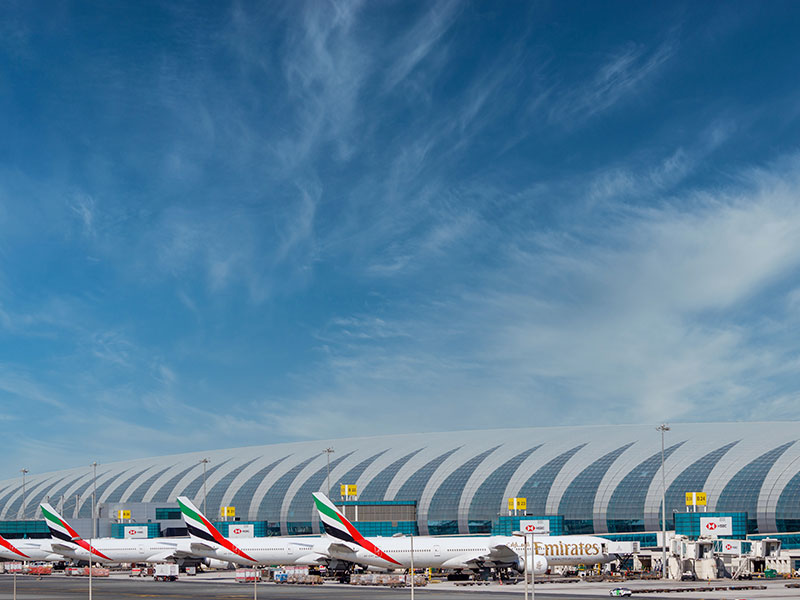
204,462
94,522
328,452
94,498
24,472
663,428
412,566
525,539
525,560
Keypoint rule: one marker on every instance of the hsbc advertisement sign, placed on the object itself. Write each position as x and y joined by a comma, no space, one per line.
135,531
241,531
730,546
716,526
535,526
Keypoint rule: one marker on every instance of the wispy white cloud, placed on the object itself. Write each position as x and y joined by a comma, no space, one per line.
296,234
646,317
423,38
638,179
622,75
84,207
407,201
112,346
23,391
324,68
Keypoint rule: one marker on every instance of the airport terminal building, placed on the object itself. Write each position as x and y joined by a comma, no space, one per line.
598,479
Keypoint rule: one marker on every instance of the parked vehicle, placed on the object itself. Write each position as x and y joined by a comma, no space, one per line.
248,575
166,572
620,592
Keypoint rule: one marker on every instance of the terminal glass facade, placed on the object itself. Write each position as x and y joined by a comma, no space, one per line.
162,495
448,495
459,481
244,494
626,509
789,506
488,499
414,485
376,489
578,501
692,479
742,491
537,487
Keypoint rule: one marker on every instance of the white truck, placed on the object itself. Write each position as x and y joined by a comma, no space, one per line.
166,572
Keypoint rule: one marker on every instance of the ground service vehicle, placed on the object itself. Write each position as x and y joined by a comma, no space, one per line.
166,572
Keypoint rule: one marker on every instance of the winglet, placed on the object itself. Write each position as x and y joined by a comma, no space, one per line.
337,525
62,530
201,528
11,548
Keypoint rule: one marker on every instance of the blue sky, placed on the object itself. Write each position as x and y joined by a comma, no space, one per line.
226,224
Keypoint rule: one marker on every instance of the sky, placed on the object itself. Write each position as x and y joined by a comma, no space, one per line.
238,223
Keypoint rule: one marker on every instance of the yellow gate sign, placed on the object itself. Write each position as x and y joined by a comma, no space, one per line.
349,490
123,514
517,503
227,511
696,499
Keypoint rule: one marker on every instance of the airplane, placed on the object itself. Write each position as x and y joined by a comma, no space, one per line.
29,550
456,552
112,550
208,542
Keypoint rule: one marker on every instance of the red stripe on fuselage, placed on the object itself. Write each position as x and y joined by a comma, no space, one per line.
361,541
91,549
6,544
222,541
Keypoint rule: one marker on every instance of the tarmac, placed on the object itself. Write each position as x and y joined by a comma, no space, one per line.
223,587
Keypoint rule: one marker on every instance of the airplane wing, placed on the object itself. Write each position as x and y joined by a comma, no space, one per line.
166,555
313,559
502,553
335,548
201,547
498,555
61,548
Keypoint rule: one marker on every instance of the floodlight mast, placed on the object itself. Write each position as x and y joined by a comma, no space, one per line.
663,428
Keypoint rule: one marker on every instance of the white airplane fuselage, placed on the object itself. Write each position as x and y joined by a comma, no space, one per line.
266,551
460,552
34,549
146,550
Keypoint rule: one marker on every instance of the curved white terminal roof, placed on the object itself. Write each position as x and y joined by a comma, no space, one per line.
602,479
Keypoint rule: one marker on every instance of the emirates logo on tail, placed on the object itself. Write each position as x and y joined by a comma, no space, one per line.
337,525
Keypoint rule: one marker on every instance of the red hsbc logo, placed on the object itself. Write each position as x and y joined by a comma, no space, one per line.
237,530
728,547
711,526
530,528
132,531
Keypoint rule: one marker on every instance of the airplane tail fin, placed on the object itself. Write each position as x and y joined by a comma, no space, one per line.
61,530
202,529
337,525
196,522
4,543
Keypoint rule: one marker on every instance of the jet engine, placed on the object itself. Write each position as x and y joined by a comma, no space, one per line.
215,563
536,565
